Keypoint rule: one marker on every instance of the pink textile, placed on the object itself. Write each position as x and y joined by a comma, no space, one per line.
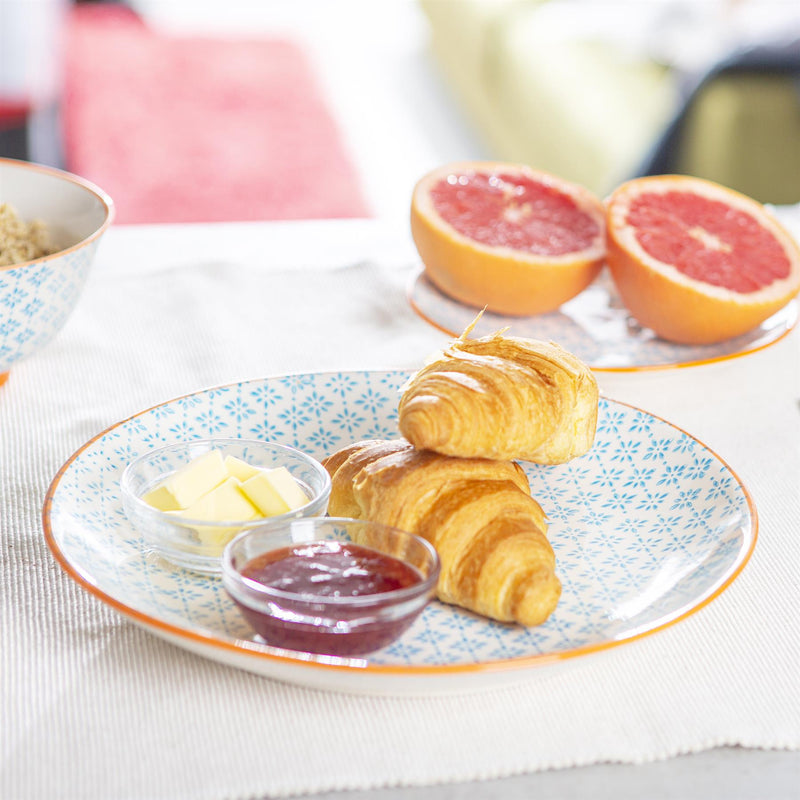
191,129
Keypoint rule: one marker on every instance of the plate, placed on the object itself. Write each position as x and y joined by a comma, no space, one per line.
647,527
597,328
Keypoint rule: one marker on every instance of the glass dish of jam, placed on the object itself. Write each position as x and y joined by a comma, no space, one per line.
329,585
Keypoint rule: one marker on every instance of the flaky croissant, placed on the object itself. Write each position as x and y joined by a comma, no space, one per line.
477,513
504,398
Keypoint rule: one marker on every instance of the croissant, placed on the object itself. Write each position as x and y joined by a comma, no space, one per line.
503,398
477,513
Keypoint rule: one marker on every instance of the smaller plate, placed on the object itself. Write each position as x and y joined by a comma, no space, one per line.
596,327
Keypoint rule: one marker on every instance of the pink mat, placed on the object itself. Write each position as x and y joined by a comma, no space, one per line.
189,129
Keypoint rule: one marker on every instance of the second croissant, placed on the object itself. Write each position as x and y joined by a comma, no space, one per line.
502,397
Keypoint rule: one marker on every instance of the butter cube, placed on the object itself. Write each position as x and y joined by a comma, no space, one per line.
239,469
197,478
162,499
264,496
274,491
287,487
223,503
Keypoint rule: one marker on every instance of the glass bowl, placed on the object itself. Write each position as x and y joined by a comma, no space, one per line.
335,586
197,544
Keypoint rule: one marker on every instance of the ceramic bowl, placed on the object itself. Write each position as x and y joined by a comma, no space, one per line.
37,296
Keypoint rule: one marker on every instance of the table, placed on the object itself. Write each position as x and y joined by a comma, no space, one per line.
92,706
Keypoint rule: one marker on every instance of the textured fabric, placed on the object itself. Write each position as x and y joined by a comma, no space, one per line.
91,706
193,129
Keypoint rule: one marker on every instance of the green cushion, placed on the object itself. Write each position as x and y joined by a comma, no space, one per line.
578,108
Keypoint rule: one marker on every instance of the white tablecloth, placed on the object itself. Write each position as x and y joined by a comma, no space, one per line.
94,707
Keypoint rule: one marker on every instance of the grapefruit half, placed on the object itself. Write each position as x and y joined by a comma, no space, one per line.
507,237
697,262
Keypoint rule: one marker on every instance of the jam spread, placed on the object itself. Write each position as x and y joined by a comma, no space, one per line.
317,574
330,569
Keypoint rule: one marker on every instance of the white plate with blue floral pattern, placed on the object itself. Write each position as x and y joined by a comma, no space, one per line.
647,528
597,328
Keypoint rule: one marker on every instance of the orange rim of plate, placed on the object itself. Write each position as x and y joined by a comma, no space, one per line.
104,198
362,665
636,367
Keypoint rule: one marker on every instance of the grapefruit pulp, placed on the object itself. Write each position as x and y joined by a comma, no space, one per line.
696,262
507,237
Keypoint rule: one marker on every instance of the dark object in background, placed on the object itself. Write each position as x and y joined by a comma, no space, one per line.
34,136
740,126
13,132
31,72
31,39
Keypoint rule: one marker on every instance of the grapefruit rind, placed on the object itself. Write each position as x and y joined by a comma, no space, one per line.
500,278
679,308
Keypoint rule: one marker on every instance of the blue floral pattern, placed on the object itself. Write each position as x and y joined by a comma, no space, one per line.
36,299
646,527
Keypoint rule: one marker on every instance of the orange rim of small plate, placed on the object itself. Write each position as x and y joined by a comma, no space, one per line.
244,647
635,368
104,198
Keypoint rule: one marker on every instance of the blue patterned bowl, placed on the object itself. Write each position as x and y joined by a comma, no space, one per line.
37,297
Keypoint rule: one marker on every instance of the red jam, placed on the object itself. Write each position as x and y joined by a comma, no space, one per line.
316,573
